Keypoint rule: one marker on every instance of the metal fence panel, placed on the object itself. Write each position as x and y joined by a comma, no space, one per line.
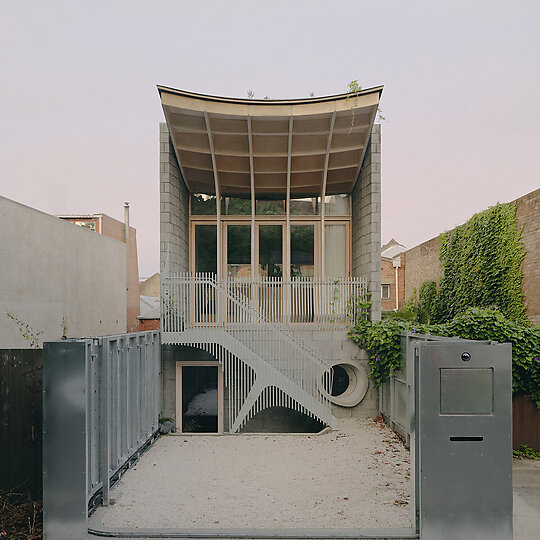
396,397
65,440
101,407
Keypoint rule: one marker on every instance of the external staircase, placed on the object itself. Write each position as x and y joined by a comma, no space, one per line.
264,364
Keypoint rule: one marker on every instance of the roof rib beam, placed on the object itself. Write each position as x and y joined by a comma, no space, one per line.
323,191
252,184
213,154
327,159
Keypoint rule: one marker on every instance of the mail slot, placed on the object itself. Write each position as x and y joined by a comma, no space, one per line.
463,429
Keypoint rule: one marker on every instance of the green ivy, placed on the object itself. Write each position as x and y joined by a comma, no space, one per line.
426,296
480,263
526,452
382,342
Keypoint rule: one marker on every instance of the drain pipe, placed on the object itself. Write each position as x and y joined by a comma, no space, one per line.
396,263
126,240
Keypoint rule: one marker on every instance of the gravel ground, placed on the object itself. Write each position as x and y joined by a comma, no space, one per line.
357,476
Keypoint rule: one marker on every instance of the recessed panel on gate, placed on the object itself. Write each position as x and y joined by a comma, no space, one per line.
466,391
464,411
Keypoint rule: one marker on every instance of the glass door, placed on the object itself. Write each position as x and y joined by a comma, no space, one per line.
236,266
303,266
270,269
237,254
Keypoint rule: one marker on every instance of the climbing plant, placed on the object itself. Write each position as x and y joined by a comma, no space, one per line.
480,263
426,296
382,342
30,334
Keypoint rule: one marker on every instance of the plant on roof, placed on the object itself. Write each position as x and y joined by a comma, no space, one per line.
353,89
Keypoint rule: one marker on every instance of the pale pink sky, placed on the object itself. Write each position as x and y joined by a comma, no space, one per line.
79,111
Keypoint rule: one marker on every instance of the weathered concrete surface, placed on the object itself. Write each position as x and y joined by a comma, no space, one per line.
57,278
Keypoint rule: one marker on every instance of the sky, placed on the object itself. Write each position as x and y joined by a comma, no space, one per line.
79,109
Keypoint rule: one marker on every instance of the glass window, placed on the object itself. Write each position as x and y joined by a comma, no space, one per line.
385,292
302,250
270,207
305,206
271,250
337,205
239,251
335,251
206,248
234,206
203,205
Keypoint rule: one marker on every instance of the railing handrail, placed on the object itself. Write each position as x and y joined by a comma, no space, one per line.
244,304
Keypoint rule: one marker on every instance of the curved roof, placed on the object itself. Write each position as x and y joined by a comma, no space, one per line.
234,146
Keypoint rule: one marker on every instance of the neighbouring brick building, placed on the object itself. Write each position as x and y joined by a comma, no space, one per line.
392,276
423,260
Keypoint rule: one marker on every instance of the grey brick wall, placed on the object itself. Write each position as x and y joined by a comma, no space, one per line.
174,207
366,222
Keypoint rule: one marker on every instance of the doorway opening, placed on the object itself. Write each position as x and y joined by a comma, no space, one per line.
199,397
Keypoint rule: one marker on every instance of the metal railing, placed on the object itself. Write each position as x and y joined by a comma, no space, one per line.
123,401
319,304
196,309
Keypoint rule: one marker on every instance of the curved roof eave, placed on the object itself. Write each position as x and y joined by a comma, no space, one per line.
248,101
237,146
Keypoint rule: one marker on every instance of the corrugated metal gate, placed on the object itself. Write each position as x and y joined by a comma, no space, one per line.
108,389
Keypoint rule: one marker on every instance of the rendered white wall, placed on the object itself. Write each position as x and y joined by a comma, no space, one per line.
51,271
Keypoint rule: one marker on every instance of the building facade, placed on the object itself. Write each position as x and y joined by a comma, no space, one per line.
270,247
392,276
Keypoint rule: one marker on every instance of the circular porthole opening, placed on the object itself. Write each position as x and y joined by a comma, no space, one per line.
349,383
340,381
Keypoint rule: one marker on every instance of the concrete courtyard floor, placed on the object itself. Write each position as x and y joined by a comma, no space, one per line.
354,477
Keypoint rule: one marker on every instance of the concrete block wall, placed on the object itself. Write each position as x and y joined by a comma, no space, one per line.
174,207
334,346
366,222
331,345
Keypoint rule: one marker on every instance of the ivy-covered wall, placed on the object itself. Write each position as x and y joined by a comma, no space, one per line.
422,261
480,264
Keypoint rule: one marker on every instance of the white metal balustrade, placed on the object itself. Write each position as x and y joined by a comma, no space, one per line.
244,325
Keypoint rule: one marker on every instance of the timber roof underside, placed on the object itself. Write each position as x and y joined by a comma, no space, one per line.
240,147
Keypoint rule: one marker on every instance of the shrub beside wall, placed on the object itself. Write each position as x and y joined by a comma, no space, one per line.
381,341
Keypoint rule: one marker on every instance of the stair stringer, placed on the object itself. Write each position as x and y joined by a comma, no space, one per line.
266,376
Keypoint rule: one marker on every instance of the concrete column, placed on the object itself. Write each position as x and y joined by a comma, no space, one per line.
366,222
174,207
